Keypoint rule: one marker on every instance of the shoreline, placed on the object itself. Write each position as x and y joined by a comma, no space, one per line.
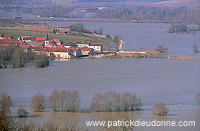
82,20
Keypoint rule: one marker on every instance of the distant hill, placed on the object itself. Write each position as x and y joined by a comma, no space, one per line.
158,3
177,3
26,2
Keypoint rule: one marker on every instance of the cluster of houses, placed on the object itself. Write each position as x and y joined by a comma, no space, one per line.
53,47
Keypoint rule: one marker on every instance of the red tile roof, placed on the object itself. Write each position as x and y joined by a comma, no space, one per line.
35,43
74,48
21,41
29,38
21,45
9,41
57,40
91,44
39,48
40,41
60,48
50,49
7,45
7,36
40,38
85,48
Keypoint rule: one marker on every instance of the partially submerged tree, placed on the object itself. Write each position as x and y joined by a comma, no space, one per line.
160,109
64,100
6,56
21,112
161,49
195,48
178,28
54,100
97,102
5,103
19,58
38,102
114,101
41,61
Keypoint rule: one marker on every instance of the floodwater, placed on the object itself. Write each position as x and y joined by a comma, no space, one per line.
173,82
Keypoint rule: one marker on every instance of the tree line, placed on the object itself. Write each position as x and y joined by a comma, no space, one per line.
142,13
69,101
18,57
137,13
26,2
182,28
110,101
114,101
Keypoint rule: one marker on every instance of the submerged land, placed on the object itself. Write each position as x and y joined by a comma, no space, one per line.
138,64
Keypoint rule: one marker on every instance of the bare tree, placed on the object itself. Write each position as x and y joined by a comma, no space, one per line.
6,123
160,109
75,101
114,101
97,103
117,101
108,101
38,102
54,100
64,100
5,103
195,48
126,97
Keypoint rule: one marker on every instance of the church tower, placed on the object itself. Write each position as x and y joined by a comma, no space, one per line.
47,40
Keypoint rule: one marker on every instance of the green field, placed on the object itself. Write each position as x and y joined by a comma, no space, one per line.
64,38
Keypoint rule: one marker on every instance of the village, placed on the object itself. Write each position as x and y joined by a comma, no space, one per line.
78,49
52,48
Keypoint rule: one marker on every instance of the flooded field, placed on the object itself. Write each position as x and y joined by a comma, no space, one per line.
174,82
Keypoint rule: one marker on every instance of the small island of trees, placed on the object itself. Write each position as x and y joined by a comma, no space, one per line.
16,57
